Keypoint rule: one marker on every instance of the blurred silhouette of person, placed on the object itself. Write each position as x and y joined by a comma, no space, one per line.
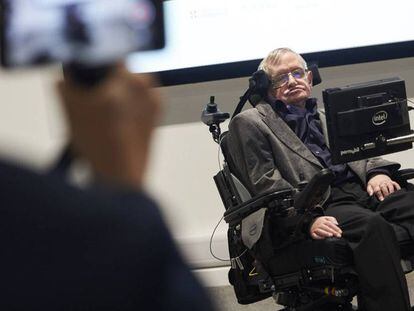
101,248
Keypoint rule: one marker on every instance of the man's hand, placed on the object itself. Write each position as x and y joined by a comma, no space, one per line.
325,227
111,124
382,186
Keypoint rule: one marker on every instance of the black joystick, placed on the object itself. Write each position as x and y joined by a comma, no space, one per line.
212,117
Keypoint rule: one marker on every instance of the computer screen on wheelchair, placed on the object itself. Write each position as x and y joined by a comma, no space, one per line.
367,119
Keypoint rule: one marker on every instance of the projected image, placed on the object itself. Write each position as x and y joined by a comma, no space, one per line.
201,33
90,31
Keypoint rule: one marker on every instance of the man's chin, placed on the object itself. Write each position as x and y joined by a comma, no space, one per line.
297,100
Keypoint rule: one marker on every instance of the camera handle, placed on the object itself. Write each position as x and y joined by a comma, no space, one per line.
87,76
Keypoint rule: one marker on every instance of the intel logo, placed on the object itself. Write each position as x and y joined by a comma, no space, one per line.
380,117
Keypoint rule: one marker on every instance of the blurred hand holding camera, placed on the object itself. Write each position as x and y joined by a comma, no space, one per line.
111,124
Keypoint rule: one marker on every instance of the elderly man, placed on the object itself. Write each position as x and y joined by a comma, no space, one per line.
281,142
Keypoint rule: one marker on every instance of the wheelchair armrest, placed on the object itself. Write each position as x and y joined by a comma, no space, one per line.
404,175
307,198
314,191
281,198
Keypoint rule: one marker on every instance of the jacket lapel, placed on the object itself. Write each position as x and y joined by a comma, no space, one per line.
322,118
284,133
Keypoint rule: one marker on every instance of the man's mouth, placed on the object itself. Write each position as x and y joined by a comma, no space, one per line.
292,91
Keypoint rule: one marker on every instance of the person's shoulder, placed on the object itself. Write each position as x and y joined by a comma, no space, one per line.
16,178
14,170
247,120
246,114
47,193
251,115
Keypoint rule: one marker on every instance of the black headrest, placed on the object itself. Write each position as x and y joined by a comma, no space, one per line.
315,74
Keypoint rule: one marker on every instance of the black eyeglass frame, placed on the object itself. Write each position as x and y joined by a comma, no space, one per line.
284,78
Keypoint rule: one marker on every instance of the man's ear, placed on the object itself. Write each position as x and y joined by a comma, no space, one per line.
310,77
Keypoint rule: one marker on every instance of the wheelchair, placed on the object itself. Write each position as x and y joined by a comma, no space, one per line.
301,274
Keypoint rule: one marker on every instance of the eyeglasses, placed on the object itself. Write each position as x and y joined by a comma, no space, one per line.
282,79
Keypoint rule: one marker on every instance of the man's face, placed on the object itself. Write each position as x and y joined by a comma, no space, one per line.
298,84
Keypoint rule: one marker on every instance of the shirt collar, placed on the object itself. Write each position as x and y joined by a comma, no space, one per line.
280,107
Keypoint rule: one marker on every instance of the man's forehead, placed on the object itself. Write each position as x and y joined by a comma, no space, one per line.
287,62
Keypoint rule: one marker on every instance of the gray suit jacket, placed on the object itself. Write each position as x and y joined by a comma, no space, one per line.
269,156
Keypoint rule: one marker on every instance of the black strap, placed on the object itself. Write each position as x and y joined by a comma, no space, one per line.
241,103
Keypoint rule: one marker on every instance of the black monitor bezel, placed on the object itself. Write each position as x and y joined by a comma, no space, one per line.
360,129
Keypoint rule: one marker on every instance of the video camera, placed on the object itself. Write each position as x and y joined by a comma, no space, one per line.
81,34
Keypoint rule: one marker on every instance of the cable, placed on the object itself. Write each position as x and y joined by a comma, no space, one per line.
218,154
215,228
211,242
222,217
211,245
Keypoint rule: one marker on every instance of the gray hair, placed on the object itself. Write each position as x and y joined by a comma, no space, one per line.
274,57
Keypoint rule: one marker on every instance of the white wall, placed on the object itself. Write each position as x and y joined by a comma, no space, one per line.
184,158
31,123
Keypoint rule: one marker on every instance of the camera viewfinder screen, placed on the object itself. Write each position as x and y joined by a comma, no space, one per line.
86,31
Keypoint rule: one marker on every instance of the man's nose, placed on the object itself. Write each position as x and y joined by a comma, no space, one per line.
292,80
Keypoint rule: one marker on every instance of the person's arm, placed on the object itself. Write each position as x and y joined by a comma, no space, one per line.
111,124
379,181
253,156
382,185
324,227
378,164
